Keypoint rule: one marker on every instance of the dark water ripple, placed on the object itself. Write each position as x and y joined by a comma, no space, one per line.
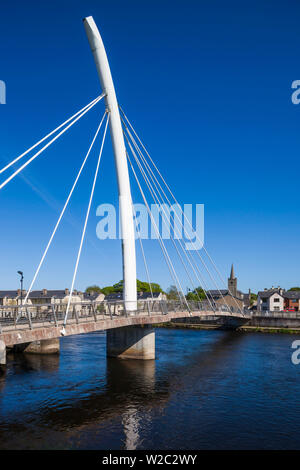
206,390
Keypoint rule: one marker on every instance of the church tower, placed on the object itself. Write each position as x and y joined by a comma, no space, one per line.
232,283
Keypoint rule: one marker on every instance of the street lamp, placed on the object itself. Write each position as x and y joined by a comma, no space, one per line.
21,280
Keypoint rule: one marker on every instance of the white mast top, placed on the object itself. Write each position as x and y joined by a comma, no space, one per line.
125,201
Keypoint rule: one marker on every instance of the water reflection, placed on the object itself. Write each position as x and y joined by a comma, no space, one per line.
83,400
134,383
19,362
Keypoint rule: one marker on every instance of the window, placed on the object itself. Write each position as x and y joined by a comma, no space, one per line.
276,308
277,300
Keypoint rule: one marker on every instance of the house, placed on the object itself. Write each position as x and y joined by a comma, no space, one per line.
233,297
93,297
53,296
118,296
271,300
10,297
292,300
115,300
153,296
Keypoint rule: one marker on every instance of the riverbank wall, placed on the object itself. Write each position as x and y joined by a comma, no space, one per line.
275,323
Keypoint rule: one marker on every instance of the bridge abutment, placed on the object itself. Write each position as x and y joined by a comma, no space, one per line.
131,342
44,346
2,354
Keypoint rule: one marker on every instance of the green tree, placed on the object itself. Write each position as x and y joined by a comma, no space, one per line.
253,298
118,287
142,286
196,294
91,289
172,293
156,287
294,288
191,296
108,290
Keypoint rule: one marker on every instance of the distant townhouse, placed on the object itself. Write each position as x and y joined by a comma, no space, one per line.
153,296
118,296
9,297
93,296
271,300
114,301
45,296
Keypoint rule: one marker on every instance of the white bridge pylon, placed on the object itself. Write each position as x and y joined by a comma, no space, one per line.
125,200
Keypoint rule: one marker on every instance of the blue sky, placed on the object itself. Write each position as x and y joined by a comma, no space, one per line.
208,87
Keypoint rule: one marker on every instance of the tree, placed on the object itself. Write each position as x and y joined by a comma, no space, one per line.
108,290
196,294
191,296
91,289
253,298
294,288
142,286
172,293
156,287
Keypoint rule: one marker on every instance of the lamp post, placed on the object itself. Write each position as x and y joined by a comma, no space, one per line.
21,281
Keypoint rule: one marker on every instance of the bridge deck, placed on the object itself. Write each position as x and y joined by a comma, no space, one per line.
20,333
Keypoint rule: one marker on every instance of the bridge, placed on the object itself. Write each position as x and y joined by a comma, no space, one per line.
130,335
37,328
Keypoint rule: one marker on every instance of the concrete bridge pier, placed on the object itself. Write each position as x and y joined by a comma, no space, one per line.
131,342
44,346
2,355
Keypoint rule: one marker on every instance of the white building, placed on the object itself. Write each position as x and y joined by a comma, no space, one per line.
270,300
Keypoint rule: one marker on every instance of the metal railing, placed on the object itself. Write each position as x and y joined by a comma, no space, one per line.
30,315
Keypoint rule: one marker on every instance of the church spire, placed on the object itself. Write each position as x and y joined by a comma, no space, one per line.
232,283
231,273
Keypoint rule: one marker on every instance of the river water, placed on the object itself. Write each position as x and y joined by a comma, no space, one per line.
205,390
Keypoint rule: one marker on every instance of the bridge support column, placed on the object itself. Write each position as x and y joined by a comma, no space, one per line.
44,346
131,342
2,355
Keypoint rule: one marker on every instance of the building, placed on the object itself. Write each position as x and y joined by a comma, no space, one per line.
292,300
233,297
53,296
116,300
93,297
153,296
10,297
270,300
118,296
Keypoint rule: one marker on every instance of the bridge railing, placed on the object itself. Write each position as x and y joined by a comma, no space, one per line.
29,315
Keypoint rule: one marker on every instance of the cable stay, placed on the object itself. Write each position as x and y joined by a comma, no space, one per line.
51,133
63,211
82,113
86,221
180,222
165,219
143,252
168,188
172,195
187,254
162,245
